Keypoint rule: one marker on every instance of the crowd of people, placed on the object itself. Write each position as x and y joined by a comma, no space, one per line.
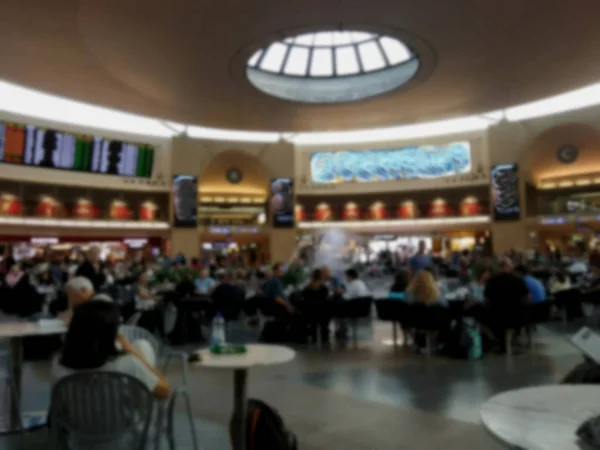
498,292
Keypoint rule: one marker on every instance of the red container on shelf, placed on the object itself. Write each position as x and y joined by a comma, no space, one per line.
119,210
48,207
377,211
323,212
148,211
299,213
85,209
407,210
470,207
439,208
10,205
351,211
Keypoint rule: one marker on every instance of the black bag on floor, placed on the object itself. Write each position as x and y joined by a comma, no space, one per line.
265,428
587,372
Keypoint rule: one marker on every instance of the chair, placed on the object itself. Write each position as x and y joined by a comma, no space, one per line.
429,320
133,333
100,408
539,313
8,392
568,303
353,310
393,311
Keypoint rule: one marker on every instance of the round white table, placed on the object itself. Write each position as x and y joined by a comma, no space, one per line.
256,355
15,331
541,418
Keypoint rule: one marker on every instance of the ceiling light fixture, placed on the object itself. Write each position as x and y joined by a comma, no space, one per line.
28,102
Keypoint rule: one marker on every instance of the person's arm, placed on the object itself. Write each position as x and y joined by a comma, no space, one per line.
162,389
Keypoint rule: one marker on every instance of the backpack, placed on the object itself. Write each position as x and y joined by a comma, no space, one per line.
464,341
265,428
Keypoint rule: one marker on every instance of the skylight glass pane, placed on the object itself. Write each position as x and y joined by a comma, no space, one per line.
345,61
324,39
371,57
273,57
305,39
360,36
254,58
342,38
396,51
322,63
297,62
289,40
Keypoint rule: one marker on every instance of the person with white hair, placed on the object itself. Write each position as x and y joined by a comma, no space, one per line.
79,290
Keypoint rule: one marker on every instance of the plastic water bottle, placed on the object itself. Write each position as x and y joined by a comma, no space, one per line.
218,330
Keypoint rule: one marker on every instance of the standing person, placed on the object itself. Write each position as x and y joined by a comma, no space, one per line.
92,268
421,260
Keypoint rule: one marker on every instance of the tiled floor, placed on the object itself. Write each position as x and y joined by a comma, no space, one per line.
365,398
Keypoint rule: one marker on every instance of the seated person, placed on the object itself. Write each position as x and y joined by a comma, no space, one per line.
204,283
273,292
355,287
537,291
423,289
477,286
559,281
227,296
317,311
506,304
93,343
334,284
148,304
398,289
144,299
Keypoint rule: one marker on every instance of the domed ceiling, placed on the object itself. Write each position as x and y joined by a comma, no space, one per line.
185,60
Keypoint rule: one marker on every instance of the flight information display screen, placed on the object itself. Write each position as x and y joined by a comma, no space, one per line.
42,147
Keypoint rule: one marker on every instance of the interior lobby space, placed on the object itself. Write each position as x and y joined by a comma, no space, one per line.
307,225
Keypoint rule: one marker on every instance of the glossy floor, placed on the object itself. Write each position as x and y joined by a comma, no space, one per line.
368,397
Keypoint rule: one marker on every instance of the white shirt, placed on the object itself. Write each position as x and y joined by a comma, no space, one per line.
127,364
356,289
577,267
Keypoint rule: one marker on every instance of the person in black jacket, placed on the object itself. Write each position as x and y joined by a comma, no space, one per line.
92,268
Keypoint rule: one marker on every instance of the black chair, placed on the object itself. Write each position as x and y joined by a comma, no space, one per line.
393,311
352,310
568,303
429,320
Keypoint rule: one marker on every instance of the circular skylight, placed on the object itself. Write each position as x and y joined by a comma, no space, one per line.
332,66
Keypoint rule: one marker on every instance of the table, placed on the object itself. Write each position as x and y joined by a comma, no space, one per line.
15,331
256,355
541,418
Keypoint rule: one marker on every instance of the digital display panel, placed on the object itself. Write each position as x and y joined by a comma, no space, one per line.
48,148
407,163
505,192
185,201
281,203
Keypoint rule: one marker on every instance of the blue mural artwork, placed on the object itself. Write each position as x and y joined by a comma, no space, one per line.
407,163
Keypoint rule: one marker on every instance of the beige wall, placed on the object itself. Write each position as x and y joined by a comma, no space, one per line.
186,241
161,173
195,157
479,153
